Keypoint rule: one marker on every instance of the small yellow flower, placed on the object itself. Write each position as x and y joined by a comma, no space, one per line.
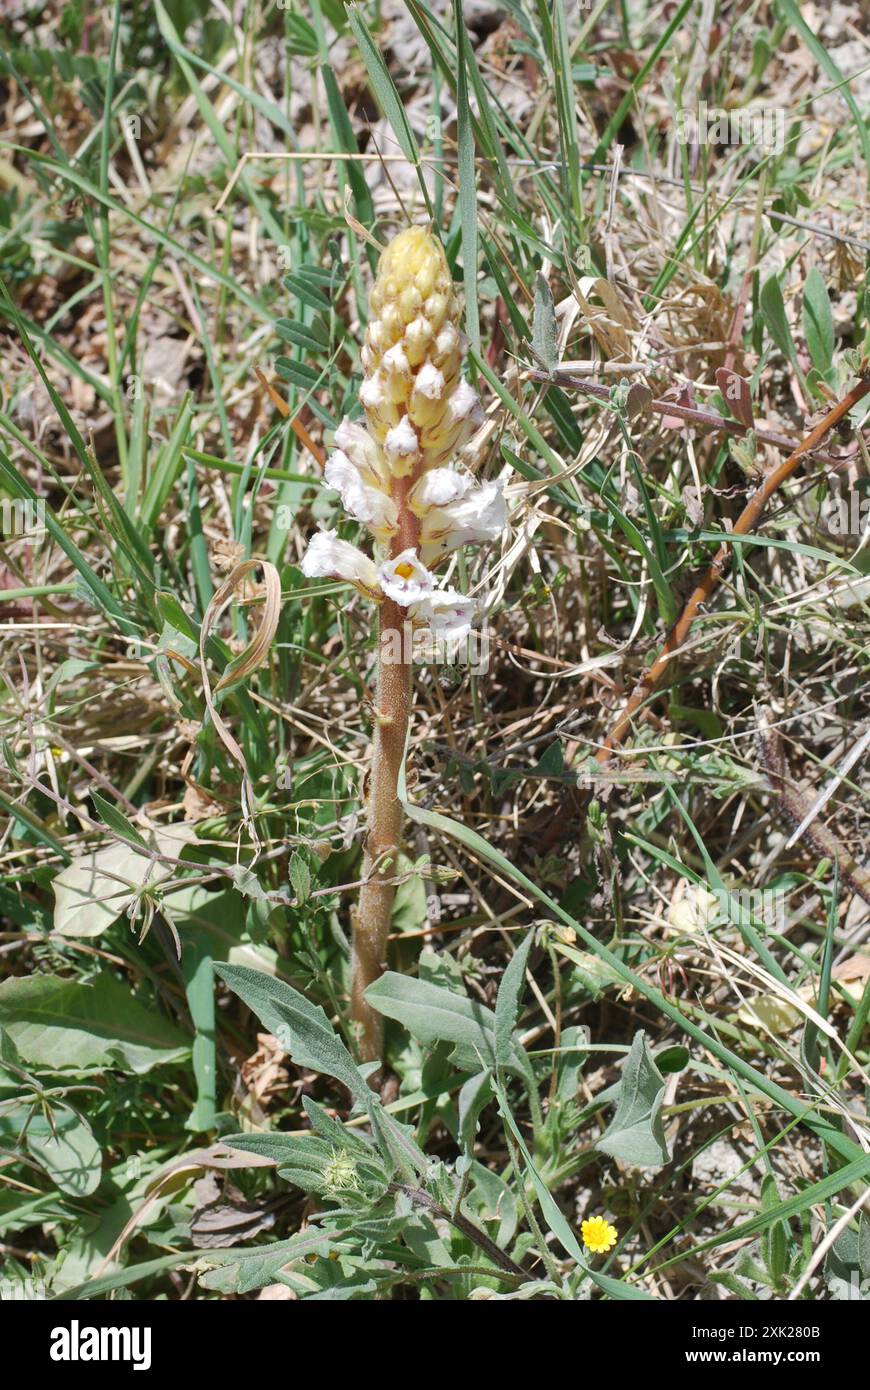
598,1235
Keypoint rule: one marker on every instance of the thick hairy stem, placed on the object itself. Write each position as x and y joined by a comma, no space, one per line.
371,926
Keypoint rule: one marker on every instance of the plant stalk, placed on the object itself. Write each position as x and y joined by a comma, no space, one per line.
393,697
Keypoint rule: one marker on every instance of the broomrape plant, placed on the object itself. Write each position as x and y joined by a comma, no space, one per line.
398,473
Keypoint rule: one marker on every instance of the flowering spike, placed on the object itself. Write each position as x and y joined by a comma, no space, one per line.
394,474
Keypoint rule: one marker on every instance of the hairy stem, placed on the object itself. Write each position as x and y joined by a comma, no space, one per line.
371,927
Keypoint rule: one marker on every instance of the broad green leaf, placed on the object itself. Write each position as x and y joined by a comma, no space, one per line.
474,1094
635,1134
197,968
301,1027
71,1156
773,309
818,322
433,1014
98,886
66,1025
304,1031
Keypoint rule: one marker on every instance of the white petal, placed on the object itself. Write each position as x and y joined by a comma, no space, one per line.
448,613
405,579
328,557
448,341
479,515
429,382
437,487
463,403
360,496
371,393
401,446
353,439
395,360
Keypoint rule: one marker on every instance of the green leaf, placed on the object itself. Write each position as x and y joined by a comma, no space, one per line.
789,9
432,1014
792,1105
385,91
98,886
304,1031
301,1027
775,1242
554,1217
71,1156
65,1025
544,325
197,968
818,322
300,877
116,821
773,309
468,209
635,1134
672,1059
507,1004
242,1271
474,1094
307,292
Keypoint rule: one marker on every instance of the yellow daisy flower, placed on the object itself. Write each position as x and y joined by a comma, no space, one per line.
598,1235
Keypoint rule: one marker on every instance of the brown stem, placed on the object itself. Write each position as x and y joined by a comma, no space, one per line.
706,419
746,522
371,925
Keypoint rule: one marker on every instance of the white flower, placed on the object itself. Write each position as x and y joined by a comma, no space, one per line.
447,613
463,402
362,496
396,360
371,392
449,428
454,511
418,336
353,439
402,447
429,382
405,580
436,488
327,557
